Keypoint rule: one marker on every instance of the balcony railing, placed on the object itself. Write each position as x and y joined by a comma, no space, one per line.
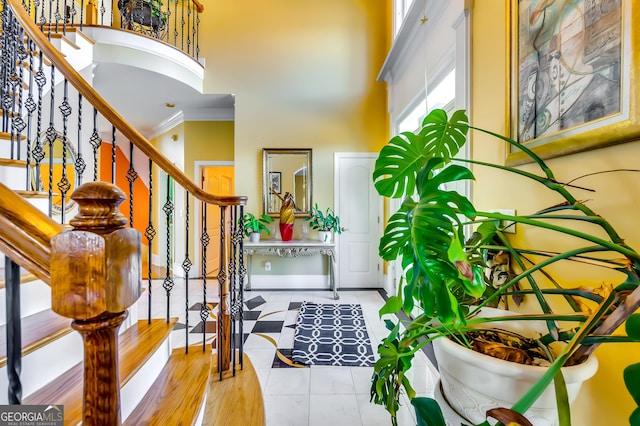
176,22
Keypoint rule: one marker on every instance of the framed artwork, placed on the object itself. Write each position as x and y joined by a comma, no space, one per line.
574,71
275,181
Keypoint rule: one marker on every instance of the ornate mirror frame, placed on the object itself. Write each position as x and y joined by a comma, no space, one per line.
286,170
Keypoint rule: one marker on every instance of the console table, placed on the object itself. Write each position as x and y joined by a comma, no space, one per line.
293,248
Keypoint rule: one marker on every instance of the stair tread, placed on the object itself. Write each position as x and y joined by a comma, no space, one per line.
37,330
178,393
135,345
34,194
7,136
12,163
234,401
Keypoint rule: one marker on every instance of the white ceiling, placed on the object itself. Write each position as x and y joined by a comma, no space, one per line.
140,96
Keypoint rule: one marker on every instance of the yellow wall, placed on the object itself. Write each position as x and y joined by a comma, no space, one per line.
604,400
304,77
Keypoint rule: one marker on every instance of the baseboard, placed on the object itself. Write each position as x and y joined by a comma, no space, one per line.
311,282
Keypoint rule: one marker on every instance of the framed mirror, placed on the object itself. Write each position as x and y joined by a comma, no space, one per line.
286,170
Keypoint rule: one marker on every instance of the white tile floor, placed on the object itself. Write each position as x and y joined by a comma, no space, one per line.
318,395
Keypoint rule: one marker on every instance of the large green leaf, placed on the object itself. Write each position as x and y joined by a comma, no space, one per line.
443,137
632,326
399,162
428,412
632,381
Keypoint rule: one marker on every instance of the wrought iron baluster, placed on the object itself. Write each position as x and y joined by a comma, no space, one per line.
175,24
186,267
242,273
73,12
81,14
197,36
223,307
182,25
168,22
14,331
36,4
232,287
38,150
168,210
204,239
113,154
49,21
80,165
12,86
52,134
150,234
6,66
189,27
17,123
132,175
43,19
57,15
95,141
102,11
30,106
64,185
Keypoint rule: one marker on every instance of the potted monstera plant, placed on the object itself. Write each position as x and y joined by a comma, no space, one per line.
448,294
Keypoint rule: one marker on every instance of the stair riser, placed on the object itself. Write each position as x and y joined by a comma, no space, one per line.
35,296
14,178
132,393
44,365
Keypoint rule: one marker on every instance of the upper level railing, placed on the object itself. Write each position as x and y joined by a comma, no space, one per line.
62,133
176,22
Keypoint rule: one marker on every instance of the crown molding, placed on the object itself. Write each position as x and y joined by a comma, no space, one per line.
209,114
167,125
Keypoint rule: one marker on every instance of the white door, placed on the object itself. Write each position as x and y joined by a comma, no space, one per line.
360,209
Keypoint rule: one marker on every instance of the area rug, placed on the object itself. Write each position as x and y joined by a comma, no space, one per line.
330,334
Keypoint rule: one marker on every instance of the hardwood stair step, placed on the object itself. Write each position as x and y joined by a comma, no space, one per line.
35,194
234,401
135,346
7,162
177,395
38,330
7,136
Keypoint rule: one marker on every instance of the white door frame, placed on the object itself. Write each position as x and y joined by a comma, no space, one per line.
197,218
336,203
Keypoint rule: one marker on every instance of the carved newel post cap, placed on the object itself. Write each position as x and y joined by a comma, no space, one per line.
96,267
98,202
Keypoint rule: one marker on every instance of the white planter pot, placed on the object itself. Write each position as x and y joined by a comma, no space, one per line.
254,237
473,383
325,236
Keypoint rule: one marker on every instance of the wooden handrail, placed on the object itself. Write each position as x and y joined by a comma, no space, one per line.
26,233
76,80
199,6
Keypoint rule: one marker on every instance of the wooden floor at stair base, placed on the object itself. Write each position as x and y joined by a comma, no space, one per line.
234,401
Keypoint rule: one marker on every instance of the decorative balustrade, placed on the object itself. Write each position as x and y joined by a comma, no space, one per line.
59,127
176,22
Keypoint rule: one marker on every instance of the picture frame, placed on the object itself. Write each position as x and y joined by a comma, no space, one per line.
275,181
573,73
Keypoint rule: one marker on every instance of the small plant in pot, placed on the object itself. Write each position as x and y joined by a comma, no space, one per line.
253,226
326,223
448,296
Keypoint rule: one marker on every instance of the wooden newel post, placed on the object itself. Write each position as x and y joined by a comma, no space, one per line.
95,278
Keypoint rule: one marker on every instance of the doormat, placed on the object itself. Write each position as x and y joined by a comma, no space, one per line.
330,334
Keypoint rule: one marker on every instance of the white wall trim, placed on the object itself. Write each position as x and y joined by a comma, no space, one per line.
283,282
167,125
209,114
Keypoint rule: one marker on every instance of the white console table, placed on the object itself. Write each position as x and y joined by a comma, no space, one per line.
293,248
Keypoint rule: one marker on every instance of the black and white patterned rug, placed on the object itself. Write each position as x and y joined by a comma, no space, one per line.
330,334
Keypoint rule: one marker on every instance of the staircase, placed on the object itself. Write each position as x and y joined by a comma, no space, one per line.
55,133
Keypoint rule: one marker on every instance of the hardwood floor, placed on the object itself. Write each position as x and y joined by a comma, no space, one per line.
234,401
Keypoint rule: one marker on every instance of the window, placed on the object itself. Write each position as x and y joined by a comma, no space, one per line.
401,8
442,96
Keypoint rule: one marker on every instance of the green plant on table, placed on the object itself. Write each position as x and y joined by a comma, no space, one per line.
256,224
326,221
444,285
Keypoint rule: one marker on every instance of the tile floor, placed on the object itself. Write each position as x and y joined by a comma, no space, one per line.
298,396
